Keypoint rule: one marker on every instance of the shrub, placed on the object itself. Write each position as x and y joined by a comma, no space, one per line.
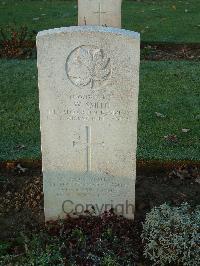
171,235
40,250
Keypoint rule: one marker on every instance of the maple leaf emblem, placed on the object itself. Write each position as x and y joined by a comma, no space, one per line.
88,66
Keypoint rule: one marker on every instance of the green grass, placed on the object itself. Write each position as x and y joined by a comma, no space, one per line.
159,21
19,115
170,88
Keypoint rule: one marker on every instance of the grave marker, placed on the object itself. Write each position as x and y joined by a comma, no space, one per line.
99,12
88,92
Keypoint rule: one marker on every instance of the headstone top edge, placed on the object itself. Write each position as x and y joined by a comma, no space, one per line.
123,32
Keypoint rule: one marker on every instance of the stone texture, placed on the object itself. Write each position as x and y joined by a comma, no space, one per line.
88,92
100,12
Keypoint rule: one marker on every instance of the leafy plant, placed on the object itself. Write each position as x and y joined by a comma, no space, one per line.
88,240
109,260
172,235
3,248
42,250
78,237
39,249
108,234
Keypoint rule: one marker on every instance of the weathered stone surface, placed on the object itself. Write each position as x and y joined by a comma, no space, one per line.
88,90
100,12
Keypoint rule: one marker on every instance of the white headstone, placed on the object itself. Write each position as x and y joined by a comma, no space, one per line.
100,12
88,90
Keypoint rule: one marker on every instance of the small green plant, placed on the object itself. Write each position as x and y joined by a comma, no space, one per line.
3,248
39,249
108,234
109,260
42,250
79,238
172,235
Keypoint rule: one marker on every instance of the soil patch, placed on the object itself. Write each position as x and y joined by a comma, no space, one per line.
21,203
170,51
19,49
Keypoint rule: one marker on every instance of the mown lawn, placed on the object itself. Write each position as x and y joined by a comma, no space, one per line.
169,88
157,21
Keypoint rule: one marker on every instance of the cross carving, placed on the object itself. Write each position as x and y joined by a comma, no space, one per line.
88,144
100,12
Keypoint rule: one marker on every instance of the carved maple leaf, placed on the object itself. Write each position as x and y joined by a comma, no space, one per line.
88,65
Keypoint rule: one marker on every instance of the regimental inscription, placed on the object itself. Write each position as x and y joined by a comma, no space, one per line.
88,115
88,67
90,107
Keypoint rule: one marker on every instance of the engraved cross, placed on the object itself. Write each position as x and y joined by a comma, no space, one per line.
88,144
100,12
